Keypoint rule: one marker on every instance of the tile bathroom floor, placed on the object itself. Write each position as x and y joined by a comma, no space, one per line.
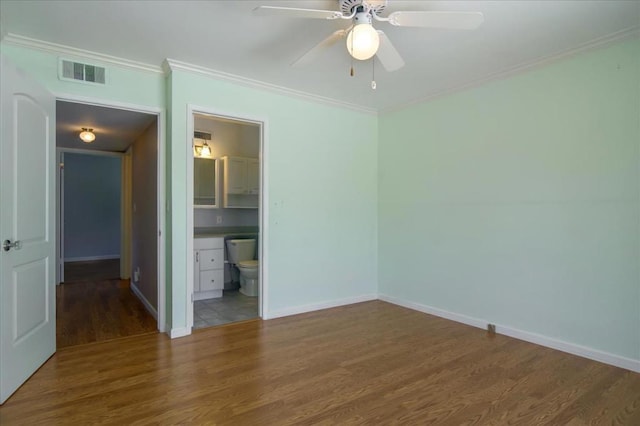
231,307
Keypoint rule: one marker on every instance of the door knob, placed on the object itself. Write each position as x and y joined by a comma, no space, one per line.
8,245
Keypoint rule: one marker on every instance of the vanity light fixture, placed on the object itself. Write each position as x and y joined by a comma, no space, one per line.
203,151
87,135
201,147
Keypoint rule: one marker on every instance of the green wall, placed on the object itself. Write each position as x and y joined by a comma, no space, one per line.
322,189
322,180
517,202
126,85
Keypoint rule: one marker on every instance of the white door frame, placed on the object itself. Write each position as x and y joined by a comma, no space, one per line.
262,205
60,204
161,182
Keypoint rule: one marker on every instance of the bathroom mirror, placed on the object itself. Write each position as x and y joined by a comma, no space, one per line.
205,182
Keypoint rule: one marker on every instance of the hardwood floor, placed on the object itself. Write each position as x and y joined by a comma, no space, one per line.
95,311
371,363
94,270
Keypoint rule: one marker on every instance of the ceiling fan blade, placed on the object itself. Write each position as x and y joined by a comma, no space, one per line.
388,55
293,12
316,50
435,19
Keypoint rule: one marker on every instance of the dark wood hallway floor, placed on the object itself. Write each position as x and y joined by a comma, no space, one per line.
92,270
90,309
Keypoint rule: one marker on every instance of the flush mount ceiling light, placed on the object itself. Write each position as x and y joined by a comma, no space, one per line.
87,135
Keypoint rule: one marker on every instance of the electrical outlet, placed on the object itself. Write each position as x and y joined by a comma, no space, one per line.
136,275
491,329
218,220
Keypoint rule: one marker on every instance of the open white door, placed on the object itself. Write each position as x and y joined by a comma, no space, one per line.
27,228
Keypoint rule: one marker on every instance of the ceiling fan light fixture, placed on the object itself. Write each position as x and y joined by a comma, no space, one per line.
363,41
87,135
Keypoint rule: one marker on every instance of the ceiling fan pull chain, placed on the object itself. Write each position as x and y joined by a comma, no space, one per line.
373,72
351,72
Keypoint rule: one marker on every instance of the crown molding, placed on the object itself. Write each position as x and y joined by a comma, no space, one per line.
59,49
171,65
606,40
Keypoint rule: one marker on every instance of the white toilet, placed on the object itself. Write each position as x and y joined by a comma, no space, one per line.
240,253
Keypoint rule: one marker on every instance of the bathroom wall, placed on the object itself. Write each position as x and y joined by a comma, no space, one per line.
207,218
232,139
518,203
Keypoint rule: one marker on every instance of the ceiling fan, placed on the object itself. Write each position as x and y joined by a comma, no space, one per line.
364,41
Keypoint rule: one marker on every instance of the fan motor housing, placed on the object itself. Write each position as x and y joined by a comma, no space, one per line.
347,6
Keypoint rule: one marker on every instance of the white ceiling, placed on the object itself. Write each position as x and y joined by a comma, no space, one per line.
225,36
115,129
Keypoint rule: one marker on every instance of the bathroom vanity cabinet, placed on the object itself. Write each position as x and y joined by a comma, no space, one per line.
208,276
241,182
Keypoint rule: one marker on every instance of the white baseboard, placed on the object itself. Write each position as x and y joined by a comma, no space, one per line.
474,322
527,336
572,348
144,301
317,306
179,332
89,258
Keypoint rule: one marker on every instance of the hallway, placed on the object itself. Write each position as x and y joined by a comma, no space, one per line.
91,309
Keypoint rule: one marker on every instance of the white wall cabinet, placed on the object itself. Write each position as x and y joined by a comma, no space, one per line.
241,182
208,276
253,176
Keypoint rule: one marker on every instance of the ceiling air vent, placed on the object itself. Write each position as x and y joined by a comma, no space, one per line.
76,71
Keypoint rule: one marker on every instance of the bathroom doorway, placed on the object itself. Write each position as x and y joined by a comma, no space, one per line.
225,199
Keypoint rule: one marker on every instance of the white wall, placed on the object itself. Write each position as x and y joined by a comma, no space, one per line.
230,138
92,188
207,218
144,235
